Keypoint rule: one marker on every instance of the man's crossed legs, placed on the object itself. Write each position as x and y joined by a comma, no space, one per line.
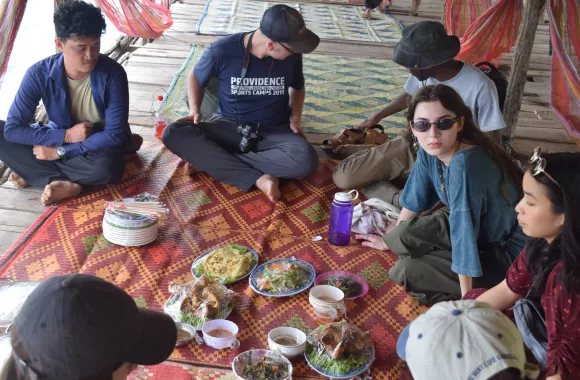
60,178
213,147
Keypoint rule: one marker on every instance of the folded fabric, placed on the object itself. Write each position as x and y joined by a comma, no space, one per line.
374,216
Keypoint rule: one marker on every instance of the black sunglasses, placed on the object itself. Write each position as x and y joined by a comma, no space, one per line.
540,165
289,50
442,124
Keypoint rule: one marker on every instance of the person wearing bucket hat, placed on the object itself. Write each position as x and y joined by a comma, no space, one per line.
428,52
79,327
256,135
464,340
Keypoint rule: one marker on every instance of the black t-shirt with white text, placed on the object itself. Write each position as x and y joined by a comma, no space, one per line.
262,96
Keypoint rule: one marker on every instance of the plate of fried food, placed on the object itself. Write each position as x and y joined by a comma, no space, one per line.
339,350
282,277
199,301
226,264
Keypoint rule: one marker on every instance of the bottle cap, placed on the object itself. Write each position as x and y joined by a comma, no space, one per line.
160,98
346,197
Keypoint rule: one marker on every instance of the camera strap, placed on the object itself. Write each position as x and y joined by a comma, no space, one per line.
245,66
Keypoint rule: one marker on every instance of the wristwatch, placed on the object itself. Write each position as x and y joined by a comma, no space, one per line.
61,152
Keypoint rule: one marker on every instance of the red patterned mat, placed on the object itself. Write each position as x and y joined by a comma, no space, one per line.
204,214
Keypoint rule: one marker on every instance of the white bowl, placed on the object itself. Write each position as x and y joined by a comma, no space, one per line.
220,342
288,350
325,295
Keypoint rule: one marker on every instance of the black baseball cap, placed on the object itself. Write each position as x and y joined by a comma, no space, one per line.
79,325
284,24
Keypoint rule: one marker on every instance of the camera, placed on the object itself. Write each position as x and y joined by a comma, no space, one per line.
249,138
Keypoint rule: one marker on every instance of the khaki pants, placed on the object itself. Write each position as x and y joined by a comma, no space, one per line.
424,265
391,160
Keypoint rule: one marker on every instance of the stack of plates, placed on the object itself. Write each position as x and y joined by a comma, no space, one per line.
129,230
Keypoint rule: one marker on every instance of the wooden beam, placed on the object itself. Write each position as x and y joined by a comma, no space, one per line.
534,10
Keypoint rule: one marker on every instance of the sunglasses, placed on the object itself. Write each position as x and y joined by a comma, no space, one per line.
540,165
289,50
442,124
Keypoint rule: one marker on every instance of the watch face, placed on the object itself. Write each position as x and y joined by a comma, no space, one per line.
60,151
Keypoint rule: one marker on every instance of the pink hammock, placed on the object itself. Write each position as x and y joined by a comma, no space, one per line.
460,14
491,35
11,12
565,80
138,18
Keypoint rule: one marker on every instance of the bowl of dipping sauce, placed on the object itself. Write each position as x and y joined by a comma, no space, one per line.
288,341
326,295
185,333
220,333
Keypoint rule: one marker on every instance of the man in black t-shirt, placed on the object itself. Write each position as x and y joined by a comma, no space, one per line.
256,136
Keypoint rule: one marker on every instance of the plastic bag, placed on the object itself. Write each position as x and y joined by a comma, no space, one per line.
337,349
199,301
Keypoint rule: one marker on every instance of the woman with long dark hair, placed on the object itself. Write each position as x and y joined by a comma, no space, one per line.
476,237
548,268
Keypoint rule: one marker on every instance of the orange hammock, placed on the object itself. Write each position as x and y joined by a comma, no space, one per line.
459,15
491,35
565,80
11,12
138,18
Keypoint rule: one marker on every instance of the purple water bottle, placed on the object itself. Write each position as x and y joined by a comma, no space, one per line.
341,218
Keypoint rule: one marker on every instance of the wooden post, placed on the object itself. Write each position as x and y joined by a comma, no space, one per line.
534,9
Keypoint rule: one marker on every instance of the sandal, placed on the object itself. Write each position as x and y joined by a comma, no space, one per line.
350,141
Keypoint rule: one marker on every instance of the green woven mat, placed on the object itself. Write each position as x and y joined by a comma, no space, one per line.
343,22
340,92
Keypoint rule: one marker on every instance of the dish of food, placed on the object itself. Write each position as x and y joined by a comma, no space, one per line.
199,301
282,277
226,264
339,350
352,285
262,364
185,334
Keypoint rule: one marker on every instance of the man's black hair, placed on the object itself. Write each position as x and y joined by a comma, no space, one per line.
76,18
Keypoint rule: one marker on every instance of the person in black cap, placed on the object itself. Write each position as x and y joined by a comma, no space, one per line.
256,136
77,327
428,52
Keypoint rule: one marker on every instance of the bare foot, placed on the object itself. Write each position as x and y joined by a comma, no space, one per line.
59,190
17,181
270,186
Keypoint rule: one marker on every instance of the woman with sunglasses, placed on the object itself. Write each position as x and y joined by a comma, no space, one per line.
476,237
548,269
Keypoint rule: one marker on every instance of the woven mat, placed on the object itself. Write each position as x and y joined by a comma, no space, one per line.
204,214
336,22
340,92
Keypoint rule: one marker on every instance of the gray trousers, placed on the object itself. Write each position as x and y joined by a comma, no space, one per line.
212,147
94,168
423,246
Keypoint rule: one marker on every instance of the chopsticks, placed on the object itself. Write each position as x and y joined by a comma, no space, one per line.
140,208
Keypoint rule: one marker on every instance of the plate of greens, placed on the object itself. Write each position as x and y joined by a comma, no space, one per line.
226,264
339,350
262,364
282,277
351,285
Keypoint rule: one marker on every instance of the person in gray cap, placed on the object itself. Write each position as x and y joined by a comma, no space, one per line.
428,52
81,327
256,136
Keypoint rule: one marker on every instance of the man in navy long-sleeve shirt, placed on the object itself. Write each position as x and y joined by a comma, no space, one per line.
86,97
